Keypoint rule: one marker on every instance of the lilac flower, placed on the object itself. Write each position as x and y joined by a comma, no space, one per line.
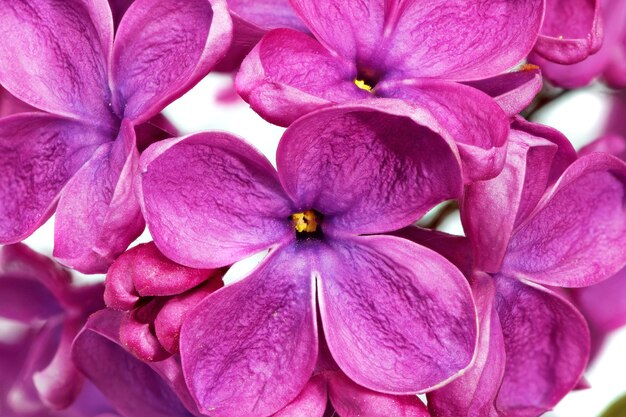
609,62
155,294
80,151
571,31
398,318
47,311
409,50
547,220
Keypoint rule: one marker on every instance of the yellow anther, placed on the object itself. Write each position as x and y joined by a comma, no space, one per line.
362,85
305,221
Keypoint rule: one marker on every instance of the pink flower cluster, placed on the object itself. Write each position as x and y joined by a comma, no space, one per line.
391,108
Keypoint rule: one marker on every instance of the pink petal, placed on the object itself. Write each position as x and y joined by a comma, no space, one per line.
211,199
10,105
193,35
137,335
98,214
474,394
603,304
366,167
289,74
398,317
311,402
250,348
39,153
547,347
576,234
56,55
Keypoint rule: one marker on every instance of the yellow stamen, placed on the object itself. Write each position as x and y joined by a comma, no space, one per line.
528,67
305,221
362,85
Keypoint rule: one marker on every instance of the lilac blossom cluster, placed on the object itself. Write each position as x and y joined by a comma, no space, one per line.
391,108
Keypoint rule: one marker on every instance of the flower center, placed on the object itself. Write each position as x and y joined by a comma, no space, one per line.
362,84
367,79
307,224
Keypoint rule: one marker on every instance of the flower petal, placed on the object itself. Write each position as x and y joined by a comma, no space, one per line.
513,91
474,393
289,74
56,55
98,214
123,379
464,40
26,300
576,234
547,347
250,348
571,31
311,402
193,35
398,318
351,400
39,153
603,304
211,199
474,121
367,168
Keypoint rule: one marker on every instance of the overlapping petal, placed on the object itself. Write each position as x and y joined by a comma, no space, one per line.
98,214
603,304
398,318
56,56
311,401
576,234
39,153
251,347
365,170
162,49
211,199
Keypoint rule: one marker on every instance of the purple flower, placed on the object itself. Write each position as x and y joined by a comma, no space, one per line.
80,151
547,221
610,60
155,294
410,50
398,318
47,311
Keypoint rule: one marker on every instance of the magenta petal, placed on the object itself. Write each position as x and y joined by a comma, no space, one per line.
547,347
10,105
289,74
463,40
571,31
576,235
472,119
192,36
123,379
398,317
311,402
211,199
250,348
365,170
603,304
474,394
98,214
26,300
55,56
351,400
39,153
513,91
137,333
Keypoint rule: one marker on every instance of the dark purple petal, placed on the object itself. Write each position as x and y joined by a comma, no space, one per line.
211,199
513,91
463,40
56,55
603,304
250,348
311,402
98,214
118,8
351,400
547,347
365,170
475,392
398,317
131,386
474,121
576,235
39,153
26,300
571,31
289,74
162,49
